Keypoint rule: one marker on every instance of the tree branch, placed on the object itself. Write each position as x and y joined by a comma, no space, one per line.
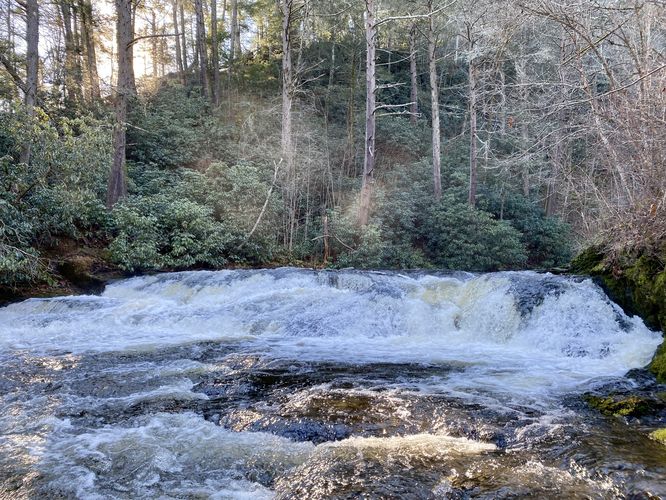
12,72
143,37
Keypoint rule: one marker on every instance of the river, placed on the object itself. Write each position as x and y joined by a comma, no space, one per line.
293,383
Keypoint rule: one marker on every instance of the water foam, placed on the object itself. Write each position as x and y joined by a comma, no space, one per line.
515,331
162,454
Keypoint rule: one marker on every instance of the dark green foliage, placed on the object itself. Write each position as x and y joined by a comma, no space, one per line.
57,196
156,232
167,127
457,236
178,219
546,239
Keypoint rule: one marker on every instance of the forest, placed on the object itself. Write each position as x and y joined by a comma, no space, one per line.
145,135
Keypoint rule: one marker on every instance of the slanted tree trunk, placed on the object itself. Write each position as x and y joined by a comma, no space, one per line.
215,54
414,96
32,66
201,47
87,30
370,119
117,186
472,133
179,52
434,99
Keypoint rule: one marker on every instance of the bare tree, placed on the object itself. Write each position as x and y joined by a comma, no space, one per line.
179,49
87,33
234,48
287,8
413,74
434,99
72,62
183,37
369,157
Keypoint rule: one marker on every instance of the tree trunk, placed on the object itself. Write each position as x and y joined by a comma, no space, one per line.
414,109
232,32
286,6
10,34
131,78
32,54
153,42
349,160
85,6
201,48
117,186
183,39
434,99
72,68
370,119
215,54
179,52
32,66
472,134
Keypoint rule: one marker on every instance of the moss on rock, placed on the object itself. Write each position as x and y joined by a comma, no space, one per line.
658,364
659,435
632,406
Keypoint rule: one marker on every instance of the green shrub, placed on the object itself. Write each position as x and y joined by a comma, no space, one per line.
457,236
167,127
547,239
58,195
19,261
158,232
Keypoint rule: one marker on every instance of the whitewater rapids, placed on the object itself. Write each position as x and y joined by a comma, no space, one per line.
253,384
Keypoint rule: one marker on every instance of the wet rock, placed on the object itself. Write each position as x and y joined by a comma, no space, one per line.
530,291
632,406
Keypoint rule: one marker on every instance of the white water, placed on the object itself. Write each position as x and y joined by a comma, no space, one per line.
574,334
525,338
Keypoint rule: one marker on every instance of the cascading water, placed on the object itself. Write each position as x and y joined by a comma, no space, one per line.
334,384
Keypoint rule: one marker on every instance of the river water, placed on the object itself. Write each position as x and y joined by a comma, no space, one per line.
301,384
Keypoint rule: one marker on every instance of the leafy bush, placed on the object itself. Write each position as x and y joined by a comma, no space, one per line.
547,239
167,127
157,232
370,247
59,194
457,236
19,262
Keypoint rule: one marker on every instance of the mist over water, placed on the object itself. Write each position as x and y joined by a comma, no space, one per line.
332,384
